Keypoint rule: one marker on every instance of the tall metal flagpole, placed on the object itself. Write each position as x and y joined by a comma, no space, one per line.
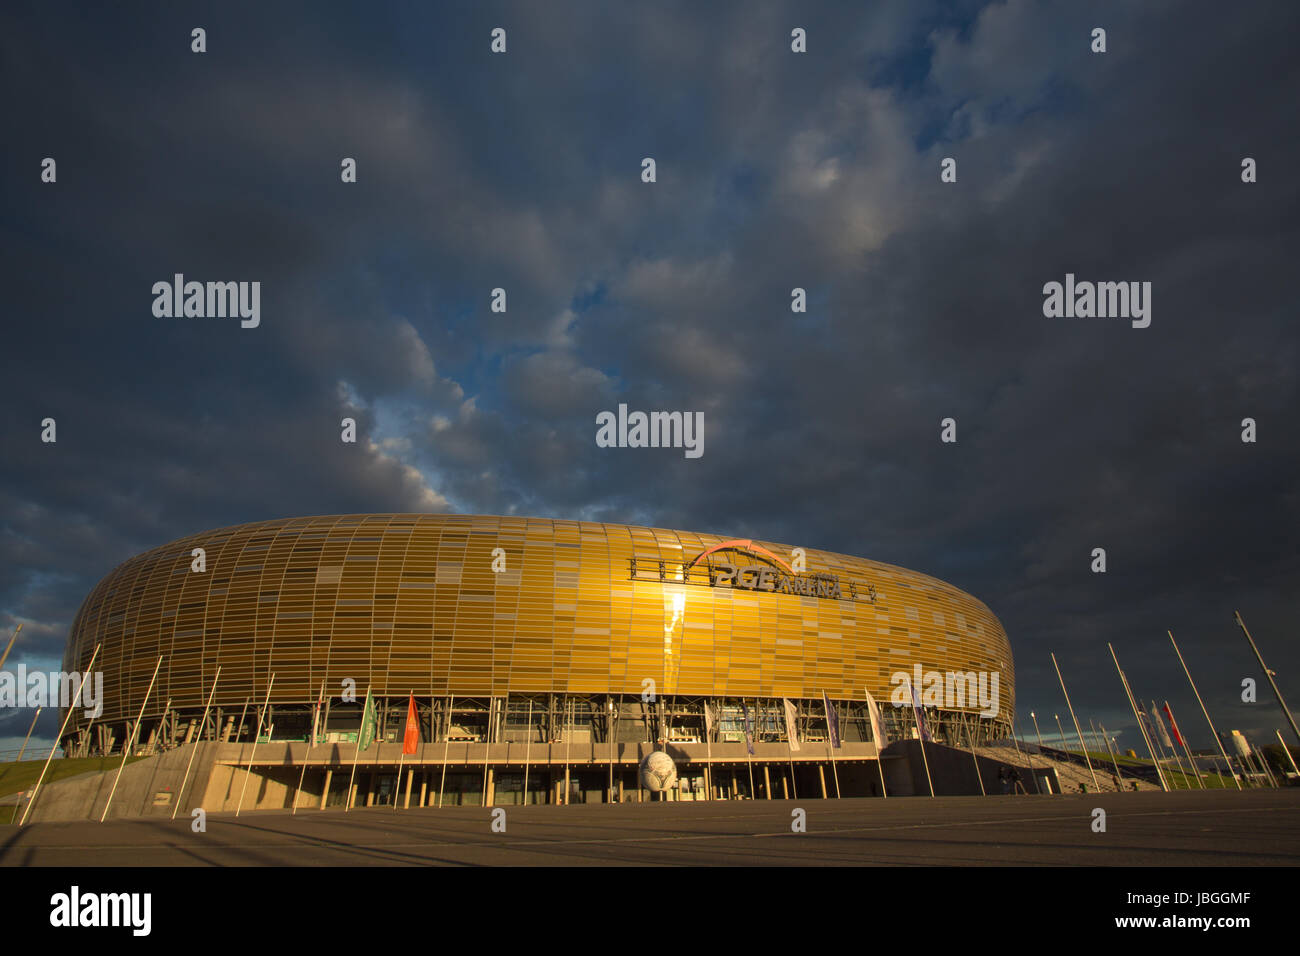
1287,752
828,743
249,772
920,735
975,760
31,801
877,721
1033,774
29,734
130,741
1269,674
1148,732
10,646
310,743
1213,732
1133,703
1113,759
1082,745
401,761
446,747
708,750
528,746
1173,728
1155,738
1160,727
180,792
1038,733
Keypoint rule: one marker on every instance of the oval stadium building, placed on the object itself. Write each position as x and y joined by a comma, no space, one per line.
543,661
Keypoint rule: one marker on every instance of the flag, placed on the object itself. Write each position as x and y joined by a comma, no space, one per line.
366,735
791,725
1173,725
1161,732
919,713
1148,725
411,739
832,721
749,729
877,723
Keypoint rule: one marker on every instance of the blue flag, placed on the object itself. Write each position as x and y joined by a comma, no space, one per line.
749,728
832,721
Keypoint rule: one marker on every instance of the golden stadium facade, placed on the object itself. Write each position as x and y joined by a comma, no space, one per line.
564,651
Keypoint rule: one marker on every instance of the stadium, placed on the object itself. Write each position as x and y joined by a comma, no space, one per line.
545,658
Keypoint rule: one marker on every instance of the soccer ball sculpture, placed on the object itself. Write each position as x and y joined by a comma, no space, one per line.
658,772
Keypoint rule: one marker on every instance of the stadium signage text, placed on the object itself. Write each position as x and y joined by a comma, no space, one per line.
774,576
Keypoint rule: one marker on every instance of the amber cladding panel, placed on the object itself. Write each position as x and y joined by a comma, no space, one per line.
411,603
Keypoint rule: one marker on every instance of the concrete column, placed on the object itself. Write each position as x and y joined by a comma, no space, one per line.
410,777
424,789
567,789
785,786
490,795
767,783
370,789
620,788
325,792
821,772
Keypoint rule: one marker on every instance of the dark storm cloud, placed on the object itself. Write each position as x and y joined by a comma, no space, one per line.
775,171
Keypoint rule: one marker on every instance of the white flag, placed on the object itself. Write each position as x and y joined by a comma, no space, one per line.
791,724
877,723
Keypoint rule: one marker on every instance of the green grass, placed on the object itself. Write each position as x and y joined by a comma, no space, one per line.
1178,780
15,777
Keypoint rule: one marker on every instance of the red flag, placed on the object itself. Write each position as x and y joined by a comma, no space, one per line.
1173,725
412,738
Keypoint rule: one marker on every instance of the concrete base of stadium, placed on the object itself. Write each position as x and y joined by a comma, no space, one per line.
330,776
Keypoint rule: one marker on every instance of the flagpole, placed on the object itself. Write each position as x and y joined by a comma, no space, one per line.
708,750
1214,732
1112,753
834,772
202,723
10,646
567,736
877,733
130,741
401,762
975,760
1070,707
66,717
920,735
446,748
1119,779
1141,729
749,754
310,743
1148,733
29,734
1287,752
790,742
1180,739
249,772
1033,774
356,757
1269,674
1155,735
1177,757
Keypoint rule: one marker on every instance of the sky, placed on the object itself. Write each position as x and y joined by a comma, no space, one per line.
775,170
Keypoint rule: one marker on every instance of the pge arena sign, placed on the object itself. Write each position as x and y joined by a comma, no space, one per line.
773,575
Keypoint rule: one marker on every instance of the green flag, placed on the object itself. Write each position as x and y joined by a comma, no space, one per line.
366,736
